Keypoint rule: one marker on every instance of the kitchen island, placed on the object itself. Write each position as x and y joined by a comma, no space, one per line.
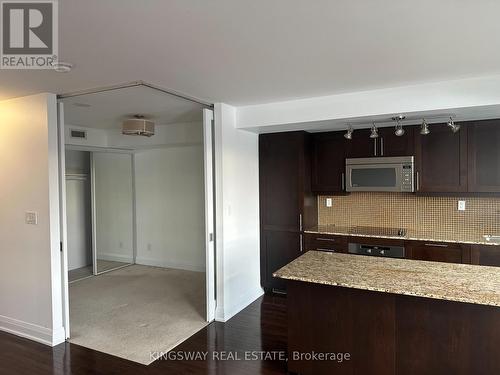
391,316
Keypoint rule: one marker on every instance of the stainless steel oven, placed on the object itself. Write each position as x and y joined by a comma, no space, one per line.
380,174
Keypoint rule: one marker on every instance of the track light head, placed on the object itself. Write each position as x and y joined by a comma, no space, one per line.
399,128
454,127
348,133
424,128
374,131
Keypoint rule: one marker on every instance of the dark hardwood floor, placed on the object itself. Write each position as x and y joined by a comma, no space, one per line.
260,327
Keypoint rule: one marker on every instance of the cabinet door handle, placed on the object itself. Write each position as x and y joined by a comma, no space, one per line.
301,245
382,146
436,244
417,179
343,181
375,146
329,250
325,239
300,222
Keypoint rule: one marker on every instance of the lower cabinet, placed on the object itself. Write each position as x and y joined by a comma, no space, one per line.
325,242
438,251
278,248
485,255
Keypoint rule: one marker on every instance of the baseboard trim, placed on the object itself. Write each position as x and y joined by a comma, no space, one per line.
114,257
224,313
31,331
169,264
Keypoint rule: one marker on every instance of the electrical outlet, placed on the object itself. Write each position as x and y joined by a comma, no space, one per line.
461,205
329,202
31,217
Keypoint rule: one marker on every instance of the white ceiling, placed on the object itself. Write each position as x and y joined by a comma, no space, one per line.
108,109
244,52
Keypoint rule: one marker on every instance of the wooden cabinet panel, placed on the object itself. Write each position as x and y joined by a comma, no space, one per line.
438,251
485,255
280,248
325,242
328,162
484,156
441,160
392,145
286,202
361,145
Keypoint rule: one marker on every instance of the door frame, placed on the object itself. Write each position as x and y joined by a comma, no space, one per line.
211,220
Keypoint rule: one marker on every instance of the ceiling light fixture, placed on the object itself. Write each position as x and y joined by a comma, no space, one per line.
424,128
399,128
138,126
374,131
348,134
454,127
62,67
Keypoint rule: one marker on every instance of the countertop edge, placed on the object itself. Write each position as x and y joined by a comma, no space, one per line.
404,238
380,290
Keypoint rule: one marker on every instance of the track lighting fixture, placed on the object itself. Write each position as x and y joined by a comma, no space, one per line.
399,128
348,134
374,131
424,128
454,127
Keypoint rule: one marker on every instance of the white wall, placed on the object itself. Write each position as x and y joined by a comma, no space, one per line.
30,276
170,207
113,206
237,201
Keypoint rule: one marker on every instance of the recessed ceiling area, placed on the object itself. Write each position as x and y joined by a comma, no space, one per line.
108,109
261,51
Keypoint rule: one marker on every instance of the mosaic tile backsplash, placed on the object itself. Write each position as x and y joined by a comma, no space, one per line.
432,217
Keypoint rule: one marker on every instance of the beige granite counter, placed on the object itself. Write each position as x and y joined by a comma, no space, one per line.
410,235
453,282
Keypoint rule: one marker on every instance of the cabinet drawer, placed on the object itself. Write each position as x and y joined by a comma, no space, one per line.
485,255
325,242
438,252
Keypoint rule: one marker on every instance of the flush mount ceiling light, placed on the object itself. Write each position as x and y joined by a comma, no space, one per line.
399,128
138,126
62,67
374,131
454,127
348,134
424,128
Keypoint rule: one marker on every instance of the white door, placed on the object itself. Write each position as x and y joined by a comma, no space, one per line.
208,116
62,213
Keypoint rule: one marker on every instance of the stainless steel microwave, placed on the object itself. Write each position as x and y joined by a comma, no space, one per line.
380,174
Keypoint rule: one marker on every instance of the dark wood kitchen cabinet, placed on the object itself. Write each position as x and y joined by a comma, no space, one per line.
441,160
392,145
438,251
287,205
484,156
361,145
328,162
325,242
485,255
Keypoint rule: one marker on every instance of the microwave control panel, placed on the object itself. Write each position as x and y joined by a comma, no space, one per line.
407,178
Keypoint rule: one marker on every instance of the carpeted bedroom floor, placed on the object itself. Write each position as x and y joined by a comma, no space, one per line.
137,309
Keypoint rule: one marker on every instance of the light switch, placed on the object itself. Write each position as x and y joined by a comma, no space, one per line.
31,217
329,202
461,205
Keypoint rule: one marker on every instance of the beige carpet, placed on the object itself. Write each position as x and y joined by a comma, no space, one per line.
137,309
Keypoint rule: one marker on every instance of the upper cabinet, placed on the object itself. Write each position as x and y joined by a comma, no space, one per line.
484,156
441,160
328,162
391,145
361,145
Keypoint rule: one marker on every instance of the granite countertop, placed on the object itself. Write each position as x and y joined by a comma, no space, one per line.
410,235
445,281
